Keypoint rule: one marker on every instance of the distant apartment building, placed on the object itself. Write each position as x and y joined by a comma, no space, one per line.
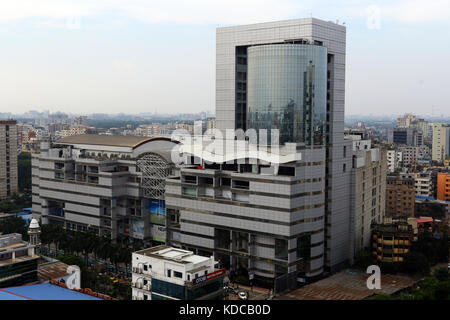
441,142
400,195
411,121
406,121
443,186
407,137
80,121
422,125
18,261
165,273
72,131
111,185
391,240
409,156
211,124
368,191
8,158
394,160
412,155
423,184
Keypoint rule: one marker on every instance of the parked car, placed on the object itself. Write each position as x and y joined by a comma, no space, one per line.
242,295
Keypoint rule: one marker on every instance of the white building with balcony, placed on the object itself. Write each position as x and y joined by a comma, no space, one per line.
166,273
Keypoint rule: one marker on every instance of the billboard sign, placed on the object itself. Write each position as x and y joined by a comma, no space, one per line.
208,276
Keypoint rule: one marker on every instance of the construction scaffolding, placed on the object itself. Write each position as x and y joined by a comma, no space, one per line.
154,170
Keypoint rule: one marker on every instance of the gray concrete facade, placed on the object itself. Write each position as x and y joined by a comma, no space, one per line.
83,185
230,110
249,218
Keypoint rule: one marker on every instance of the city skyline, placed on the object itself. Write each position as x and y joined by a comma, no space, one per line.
110,57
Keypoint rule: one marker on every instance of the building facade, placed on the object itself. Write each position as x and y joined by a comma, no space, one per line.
441,142
443,186
165,273
244,65
394,160
423,184
257,219
400,196
112,185
368,192
18,261
8,158
391,240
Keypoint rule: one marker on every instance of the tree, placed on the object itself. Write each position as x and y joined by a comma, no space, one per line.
364,258
436,250
24,171
416,262
441,274
14,224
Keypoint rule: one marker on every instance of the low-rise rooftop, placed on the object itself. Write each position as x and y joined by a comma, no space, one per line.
349,285
172,254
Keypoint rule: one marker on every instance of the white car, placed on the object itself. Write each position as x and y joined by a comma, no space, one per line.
242,295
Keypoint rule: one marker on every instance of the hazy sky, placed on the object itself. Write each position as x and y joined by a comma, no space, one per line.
110,56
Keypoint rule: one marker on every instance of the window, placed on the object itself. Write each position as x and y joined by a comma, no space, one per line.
226,182
304,247
241,184
177,274
281,249
344,167
169,273
145,267
286,171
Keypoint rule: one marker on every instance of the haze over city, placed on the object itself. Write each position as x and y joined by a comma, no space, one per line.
151,56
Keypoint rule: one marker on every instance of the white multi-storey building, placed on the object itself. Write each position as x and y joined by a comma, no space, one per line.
441,142
165,273
423,184
394,160
368,191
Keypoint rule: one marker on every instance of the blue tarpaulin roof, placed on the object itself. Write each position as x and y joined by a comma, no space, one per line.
45,291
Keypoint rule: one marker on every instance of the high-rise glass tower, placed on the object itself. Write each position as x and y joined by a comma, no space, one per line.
290,75
286,90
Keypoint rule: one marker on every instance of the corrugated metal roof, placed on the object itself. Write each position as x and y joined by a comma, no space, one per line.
44,291
53,270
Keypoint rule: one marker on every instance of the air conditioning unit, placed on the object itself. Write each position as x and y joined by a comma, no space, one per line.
147,287
133,284
140,270
135,270
139,285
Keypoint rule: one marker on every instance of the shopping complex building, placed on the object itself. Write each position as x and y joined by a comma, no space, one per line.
111,185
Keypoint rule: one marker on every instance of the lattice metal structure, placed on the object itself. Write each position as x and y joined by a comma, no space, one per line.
154,170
